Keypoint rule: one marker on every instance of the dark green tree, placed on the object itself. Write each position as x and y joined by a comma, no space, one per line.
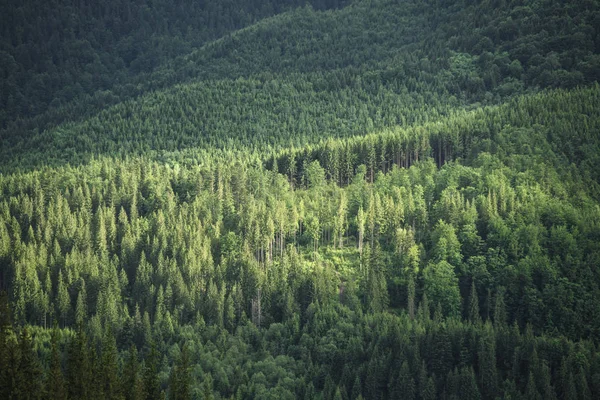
151,383
131,378
55,382
29,380
181,379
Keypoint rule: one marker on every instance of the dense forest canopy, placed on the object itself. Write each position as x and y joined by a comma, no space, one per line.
300,199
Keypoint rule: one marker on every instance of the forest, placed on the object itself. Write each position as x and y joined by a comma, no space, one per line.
364,199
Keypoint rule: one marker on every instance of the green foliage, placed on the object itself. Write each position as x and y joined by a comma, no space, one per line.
441,286
239,218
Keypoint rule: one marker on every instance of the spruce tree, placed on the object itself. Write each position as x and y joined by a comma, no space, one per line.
63,300
356,388
404,384
486,357
500,319
79,370
474,315
468,389
429,391
5,347
131,381
55,382
411,296
110,367
207,388
29,382
531,392
150,377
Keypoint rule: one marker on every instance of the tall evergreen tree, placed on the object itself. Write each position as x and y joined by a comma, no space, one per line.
79,369
403,386
474,315
29,382
110,367
55,381
486,359
6,364
131,379
150,377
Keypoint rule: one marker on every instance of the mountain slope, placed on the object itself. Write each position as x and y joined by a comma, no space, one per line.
391,199
478,230
307,74
54,53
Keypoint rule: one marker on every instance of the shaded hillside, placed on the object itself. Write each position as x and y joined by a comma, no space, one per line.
53,53
363,67
367,200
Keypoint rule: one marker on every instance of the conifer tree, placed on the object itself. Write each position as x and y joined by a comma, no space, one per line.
55,382
531,392
151,383
404,384
486,358
79,369
360,222
474,315
207,388
110,367
81,306
5,334
500,309
29,382
356,389
131,381
63,299
181,377
429,391
583,389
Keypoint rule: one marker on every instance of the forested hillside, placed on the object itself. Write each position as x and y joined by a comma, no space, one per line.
306,75
379,199
56,53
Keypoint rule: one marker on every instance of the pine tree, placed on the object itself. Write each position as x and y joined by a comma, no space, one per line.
531,392
5,346
500,309
468,389
207,388
110,367
583,389
360,223
96,389
10,372
404,385
81,306
474,315
63,299
570,391
338,394
486,357
544,381
329,387
423,312
150,378
180,379
429,392
79,372
356,388
411,296
377,293
131,381
29,382
55,382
